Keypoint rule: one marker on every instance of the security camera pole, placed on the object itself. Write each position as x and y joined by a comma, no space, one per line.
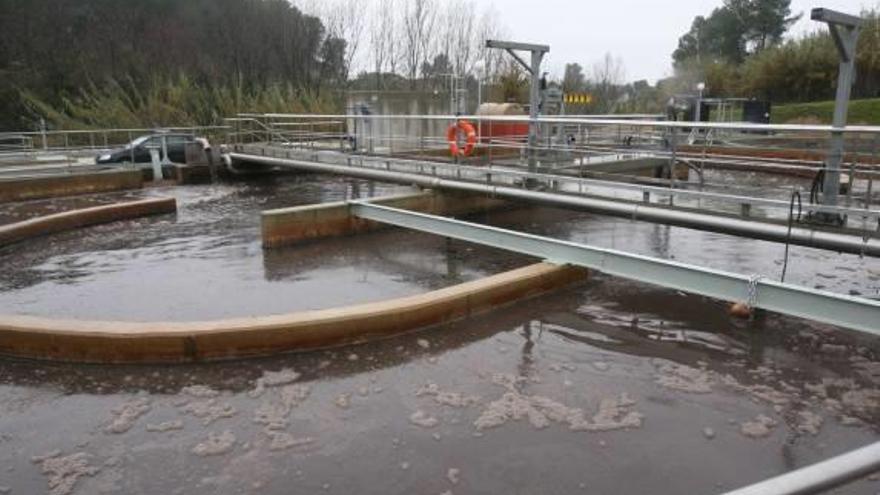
845,31
538,52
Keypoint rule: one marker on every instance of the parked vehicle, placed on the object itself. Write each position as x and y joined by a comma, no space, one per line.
138,151
14,142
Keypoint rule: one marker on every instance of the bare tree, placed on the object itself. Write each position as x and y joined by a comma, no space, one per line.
462,24
383,39
419,17
490,28
609,76
574,79
349,23
343,19
462,34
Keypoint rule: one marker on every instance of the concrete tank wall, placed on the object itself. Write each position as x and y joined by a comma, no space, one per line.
174,342
68,185
292,225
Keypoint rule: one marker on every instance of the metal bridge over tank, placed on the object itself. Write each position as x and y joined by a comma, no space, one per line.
639,169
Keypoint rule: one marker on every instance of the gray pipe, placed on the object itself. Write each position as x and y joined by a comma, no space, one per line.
821,476
700,221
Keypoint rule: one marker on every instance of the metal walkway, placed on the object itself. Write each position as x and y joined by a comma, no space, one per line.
716,212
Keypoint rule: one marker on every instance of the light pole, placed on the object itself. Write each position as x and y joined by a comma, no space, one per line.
698,116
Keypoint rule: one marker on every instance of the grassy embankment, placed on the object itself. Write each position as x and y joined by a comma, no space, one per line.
864,112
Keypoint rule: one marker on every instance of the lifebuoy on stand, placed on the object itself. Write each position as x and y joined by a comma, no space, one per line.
470,135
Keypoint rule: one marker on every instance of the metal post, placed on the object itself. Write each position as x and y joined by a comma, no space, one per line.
534,68
479,104
43,134
871,172
131,150
165,159
672,159
157,164
698,116
491,142
845,31
534,109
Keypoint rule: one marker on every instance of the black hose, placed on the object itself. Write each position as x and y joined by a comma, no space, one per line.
795,194
817,186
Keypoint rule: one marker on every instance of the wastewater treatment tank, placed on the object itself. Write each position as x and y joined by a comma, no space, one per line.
587,388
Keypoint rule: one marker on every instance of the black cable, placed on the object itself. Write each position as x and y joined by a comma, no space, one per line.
817,186
795,194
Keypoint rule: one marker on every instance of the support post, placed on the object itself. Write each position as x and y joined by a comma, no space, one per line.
534,109
845,31
534,68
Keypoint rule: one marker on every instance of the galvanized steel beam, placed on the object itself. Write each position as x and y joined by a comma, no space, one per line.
845,311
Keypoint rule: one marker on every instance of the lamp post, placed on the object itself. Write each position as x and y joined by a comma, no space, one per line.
700,87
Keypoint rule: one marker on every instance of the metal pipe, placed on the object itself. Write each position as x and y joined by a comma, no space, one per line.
700,221
820,476
599,120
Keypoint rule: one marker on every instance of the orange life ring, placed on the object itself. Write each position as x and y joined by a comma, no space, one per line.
470,135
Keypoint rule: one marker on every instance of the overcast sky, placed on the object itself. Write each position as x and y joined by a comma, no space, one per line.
643,33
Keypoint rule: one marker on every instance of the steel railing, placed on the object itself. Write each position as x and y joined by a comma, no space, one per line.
592,148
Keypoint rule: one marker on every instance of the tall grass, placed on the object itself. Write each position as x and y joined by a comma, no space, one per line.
173,102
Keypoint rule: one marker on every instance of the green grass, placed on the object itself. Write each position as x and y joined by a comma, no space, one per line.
860,112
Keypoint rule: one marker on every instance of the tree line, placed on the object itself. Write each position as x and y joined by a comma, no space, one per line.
413,44
139,63
63,53
161,62
739,50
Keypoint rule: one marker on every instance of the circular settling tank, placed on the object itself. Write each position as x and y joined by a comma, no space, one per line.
605,387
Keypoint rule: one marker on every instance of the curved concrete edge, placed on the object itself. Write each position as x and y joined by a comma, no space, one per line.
74,219
126,342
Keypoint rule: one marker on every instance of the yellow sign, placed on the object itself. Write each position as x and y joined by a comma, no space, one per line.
579,98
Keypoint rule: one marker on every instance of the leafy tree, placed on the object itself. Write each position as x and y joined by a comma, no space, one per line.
435,72
574,79
735,30
58,51
765,21
721,36
607,80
